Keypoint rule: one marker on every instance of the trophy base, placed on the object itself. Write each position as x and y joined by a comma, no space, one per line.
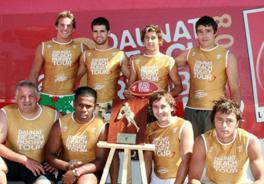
126,138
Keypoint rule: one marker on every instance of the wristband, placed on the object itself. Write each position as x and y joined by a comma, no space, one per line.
76,173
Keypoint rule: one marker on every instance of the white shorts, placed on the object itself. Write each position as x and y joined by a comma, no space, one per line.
156,180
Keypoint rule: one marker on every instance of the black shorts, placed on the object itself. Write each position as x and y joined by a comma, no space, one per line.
18,172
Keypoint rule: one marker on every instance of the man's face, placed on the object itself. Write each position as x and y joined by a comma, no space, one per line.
151,41
84,108
206,36
27,98
162,111
100,34
225,125
65,28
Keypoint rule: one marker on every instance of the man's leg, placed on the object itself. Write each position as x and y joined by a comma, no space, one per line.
88,179
114,168
43,180
3,171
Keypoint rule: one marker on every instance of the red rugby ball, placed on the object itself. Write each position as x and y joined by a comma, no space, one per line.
143,88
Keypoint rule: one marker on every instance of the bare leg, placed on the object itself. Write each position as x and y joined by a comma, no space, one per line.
114,168
87,179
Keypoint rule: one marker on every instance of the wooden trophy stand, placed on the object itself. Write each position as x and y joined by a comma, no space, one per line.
127,130
126,169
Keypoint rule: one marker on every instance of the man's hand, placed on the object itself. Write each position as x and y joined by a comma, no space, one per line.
128,95
68,177
35,167
74,164
48,168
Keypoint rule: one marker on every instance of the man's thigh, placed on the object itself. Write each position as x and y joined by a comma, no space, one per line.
18,172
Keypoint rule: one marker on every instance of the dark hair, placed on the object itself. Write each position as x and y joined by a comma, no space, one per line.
85,91
226,106
66,14
206,21
152,28
26,83
167,96
101,21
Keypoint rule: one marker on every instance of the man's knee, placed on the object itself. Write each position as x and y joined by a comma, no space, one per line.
3,167
88,179
43,180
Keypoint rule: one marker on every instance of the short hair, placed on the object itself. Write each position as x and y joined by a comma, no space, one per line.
66,14
167,96
101,21
26,83
85,91
206,21
226,106
152,28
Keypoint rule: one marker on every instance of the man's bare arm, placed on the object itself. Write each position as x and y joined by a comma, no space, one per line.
233,79
181,59
53,148
176,80
197,161
36,65
186,148
256,162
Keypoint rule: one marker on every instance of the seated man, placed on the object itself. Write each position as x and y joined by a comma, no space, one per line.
24,128
226,149
75,136
173,139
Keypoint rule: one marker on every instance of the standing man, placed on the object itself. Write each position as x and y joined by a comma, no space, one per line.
103,65
59,59
72,145
25,128
226,149
153,65
211,68
173,139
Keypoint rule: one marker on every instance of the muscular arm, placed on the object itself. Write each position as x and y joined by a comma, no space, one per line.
125,67
176,80
133,73
233,79
197,161
37,65
181,59
256,162
186,147
148,157
81,69
53,148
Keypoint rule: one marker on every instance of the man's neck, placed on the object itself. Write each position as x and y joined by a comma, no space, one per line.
102,47
62,40
31,115
151,53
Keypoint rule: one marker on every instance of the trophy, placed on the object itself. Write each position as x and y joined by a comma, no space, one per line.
129,117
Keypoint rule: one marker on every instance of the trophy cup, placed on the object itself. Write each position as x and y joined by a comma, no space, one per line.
129,117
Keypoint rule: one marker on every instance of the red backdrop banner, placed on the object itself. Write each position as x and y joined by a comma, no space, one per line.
24,24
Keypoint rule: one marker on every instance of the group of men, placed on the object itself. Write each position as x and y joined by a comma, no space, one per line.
36,141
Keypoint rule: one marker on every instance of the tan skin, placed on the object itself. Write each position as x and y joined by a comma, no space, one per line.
162,111
206,39
64,35
26,99
100,37
226,125
152,47
84,106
